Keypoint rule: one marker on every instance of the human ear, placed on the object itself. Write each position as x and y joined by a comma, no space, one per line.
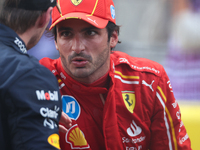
114,39
44,19
56,45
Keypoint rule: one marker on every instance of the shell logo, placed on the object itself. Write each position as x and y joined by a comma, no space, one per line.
76,138
54,140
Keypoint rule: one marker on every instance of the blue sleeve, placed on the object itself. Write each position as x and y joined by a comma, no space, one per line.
34,104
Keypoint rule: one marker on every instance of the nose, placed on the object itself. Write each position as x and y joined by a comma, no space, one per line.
77,44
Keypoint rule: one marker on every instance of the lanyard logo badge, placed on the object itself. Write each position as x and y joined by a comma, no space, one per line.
71,107
76,2
129,100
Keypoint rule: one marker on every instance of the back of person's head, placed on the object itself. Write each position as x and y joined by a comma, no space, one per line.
20,15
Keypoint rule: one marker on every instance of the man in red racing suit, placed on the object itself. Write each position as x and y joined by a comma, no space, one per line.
137,110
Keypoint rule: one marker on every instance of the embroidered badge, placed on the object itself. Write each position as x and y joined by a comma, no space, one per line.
112,10
71,107
148,85
76,138
129,100
76,2
54,140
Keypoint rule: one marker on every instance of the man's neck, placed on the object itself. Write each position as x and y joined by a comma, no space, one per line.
101,82
26,36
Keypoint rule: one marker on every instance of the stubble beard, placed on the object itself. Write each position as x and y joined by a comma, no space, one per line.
33,41
95,65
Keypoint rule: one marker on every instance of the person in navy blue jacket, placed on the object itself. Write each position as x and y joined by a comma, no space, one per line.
30,101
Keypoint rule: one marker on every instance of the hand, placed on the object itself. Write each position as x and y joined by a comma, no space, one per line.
66,123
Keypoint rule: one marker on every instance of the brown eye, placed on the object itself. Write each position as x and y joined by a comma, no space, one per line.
66,33
91,32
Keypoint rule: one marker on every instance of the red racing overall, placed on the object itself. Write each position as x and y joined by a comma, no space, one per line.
139,111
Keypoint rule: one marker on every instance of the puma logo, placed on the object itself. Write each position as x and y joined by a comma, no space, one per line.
149,85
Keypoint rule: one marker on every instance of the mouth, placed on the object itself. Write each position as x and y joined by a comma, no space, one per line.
78,59
79,62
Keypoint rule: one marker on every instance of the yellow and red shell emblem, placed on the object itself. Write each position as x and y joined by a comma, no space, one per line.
76,138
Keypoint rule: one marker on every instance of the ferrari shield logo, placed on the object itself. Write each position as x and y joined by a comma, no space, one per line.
129,100
76,2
